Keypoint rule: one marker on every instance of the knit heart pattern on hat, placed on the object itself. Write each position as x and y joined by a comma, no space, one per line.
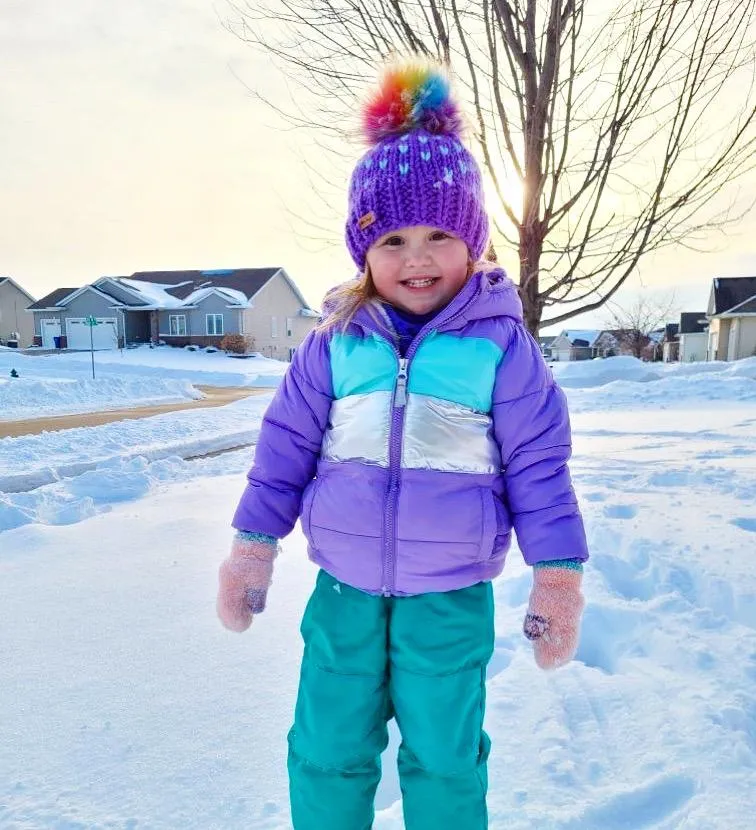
417,171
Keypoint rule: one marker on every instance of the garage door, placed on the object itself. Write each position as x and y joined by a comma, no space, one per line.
50,329
103,334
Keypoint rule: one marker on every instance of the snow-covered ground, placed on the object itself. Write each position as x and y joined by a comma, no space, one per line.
124,704
62,383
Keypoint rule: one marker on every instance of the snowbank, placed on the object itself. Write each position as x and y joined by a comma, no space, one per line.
583,374
22,397
59,384
30,461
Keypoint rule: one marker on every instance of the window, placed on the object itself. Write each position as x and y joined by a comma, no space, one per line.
274,326
177,325
214,324
289,327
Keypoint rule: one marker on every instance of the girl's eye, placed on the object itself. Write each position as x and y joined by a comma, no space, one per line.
437,236
393,241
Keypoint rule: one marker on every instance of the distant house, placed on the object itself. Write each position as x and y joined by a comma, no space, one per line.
546,342
651,344
16,325
671,343
179,308
732,318
693,336
581,344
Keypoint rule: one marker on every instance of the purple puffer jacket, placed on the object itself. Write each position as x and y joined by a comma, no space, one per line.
409,474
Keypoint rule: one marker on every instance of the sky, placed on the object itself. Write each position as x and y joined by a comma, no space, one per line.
132,142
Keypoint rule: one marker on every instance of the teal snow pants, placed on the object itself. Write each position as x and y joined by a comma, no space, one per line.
421,659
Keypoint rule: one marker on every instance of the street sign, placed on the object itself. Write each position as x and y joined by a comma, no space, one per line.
91,321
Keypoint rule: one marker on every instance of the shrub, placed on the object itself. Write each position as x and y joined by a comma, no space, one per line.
237,343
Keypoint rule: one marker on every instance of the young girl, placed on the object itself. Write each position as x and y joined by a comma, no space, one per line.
415,429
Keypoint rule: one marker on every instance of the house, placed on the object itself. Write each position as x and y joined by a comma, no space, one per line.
179,308
579,344
651,344
671,343
16,327
546,342
732,319
693,336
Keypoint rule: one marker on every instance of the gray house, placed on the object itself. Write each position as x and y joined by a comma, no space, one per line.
179,308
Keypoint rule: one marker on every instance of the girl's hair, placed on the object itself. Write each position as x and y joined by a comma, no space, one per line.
349,297
346,299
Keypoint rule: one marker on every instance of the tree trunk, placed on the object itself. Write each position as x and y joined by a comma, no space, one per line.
530,248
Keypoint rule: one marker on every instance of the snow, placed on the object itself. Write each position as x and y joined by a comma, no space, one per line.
124,704
20,398
61,383
154,293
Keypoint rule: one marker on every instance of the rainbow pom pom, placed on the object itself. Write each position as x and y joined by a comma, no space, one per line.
411,96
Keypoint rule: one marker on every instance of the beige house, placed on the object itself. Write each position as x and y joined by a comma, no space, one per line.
732,319
179,308
582,344
16,325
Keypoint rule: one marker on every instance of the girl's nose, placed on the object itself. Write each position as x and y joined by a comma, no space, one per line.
417,253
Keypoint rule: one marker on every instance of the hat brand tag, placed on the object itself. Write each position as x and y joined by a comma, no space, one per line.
366,221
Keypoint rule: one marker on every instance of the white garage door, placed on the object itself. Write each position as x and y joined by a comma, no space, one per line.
50,329
104,334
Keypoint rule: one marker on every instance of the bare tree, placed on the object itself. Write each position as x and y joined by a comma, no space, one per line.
606,129
635,326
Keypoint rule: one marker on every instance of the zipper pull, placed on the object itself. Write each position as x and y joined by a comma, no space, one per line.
400,393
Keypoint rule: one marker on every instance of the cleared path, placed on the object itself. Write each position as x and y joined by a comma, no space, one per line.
214,396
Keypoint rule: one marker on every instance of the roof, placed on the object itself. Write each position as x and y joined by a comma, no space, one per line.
732,291
546,339
693,322
671,330
182,289
247,280
587,336
16,285
748,307
52,299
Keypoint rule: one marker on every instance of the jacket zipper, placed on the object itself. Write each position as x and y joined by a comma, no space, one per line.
395,462
398,407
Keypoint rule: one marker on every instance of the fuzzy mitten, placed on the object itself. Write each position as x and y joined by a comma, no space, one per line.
553,618
244,579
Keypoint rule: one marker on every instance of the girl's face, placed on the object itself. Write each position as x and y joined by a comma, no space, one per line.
418,269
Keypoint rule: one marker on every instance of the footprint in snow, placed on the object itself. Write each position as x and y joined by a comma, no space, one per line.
620,511
594,496
745,524
640,807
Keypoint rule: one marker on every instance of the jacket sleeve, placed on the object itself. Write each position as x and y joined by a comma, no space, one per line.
532,428
289,443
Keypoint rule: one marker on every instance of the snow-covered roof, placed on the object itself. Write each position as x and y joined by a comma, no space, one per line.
154,293
158,295
237,297
589,335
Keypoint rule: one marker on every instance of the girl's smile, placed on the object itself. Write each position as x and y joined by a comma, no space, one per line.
419,268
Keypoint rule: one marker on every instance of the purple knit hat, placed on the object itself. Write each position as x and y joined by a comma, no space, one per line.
417,172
